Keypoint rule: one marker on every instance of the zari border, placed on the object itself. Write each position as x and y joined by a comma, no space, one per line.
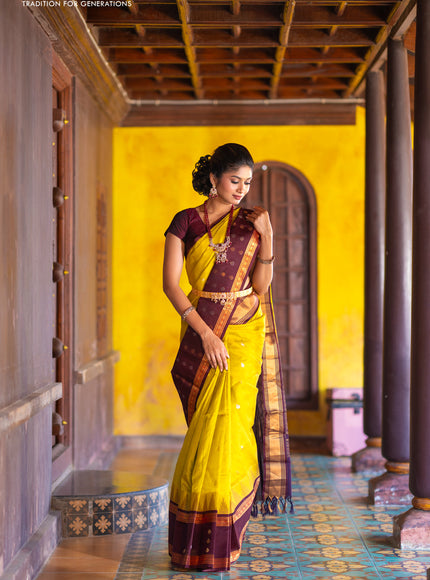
190,517
222,321
274,448
199,561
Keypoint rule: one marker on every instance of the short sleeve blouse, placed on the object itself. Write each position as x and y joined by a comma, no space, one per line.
187,226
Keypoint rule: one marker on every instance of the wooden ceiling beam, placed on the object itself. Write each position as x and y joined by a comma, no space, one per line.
140,30
240,112
187,36
220,56
235,7
340,9
208,71
132,7
284,35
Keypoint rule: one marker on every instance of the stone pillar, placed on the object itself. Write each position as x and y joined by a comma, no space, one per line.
393,486
412,529
370,458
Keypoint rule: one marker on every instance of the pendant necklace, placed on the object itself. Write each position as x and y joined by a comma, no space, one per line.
219,249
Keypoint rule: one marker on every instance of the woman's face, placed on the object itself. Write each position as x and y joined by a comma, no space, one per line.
233,185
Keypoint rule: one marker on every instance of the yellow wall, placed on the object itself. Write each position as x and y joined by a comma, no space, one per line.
152,181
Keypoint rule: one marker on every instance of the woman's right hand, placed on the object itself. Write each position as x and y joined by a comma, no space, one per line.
215,350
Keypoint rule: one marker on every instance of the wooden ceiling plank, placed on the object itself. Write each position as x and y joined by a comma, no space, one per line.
145,70
344,54
223,38
357,16
331,71
148,84
266,14
132,55
284,35
225,84
318,83
343,37
187,36
146,14
126,38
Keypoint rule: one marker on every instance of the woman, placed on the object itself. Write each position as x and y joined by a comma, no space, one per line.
227,369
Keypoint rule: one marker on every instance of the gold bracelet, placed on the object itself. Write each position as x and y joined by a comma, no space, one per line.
187,312
270,261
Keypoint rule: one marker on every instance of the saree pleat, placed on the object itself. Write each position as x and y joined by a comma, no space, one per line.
217,473
219,467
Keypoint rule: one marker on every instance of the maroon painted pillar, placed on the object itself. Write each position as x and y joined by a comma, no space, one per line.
412,530
393,486
370,458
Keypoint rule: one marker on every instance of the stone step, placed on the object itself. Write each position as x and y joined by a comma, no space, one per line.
98,503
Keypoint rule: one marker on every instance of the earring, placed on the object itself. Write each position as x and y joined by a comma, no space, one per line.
213,192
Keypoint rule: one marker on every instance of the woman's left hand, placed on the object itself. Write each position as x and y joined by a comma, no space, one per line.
260,219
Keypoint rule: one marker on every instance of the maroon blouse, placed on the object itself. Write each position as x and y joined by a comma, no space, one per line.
188,226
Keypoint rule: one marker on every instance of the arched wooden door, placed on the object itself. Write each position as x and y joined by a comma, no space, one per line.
290,199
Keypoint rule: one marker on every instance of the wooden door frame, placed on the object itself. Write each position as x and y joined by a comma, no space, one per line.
313,402
62,81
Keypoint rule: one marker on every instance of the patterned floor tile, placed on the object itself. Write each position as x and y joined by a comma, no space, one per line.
334,534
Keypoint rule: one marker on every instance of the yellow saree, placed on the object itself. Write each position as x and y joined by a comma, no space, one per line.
217,474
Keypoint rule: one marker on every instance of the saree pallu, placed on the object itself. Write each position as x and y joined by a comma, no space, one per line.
218,470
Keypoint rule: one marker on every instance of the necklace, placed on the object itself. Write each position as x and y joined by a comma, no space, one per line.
219,249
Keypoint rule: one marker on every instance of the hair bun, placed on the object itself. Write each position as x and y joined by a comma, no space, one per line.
201,172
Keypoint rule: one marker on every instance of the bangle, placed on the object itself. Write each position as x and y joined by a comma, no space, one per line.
270,261
187,312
